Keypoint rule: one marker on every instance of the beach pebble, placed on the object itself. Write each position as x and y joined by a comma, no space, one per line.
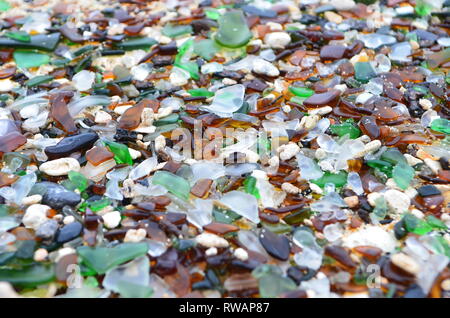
60,167
35,216
211,240
277,39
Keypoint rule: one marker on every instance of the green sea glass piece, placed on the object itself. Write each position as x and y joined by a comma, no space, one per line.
364,71
346,129
173,183
172,30
136,44
441,125
200,92
28,276
415,225
27,59
4,6
301,91
233,30
79,180
19,36
182,60
338,179
402,175
46,42
102,259
120,151
250,186
206,49
38,80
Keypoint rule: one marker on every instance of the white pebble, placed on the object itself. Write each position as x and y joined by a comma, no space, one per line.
435,166
288,151
102,117
60,167
32,199
241,254
412,161
211,240
7,291
264,67
40,255
405,262
35,216
83,80
112,219
397,201
135,236
425,103
68,219
211,251
277,40
290,188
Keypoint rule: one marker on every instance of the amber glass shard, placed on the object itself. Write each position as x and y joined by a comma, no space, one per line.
98,155
201,188
131,118
11,142
60,113
220,228
7,179
329,98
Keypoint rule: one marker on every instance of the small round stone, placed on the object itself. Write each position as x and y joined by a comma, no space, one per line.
135,235
211,240
40,254
112,219
69,232
35,216
277,40
60,167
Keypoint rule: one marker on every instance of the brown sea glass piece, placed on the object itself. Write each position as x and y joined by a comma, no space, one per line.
131,118
386,114
332,52
60,113
98,155
11,142
329,98
7,179
370,252
71,34
346,69
7,72
297,57
220,228
201,188
370,127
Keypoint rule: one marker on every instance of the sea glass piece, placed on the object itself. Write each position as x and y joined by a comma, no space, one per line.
46,42
173,31
131,280
329,98
233,30
441,125
120,151
173,183
364,71
60,113
102,259
27,59
227,100
242,203
301,91
338,179
28,276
